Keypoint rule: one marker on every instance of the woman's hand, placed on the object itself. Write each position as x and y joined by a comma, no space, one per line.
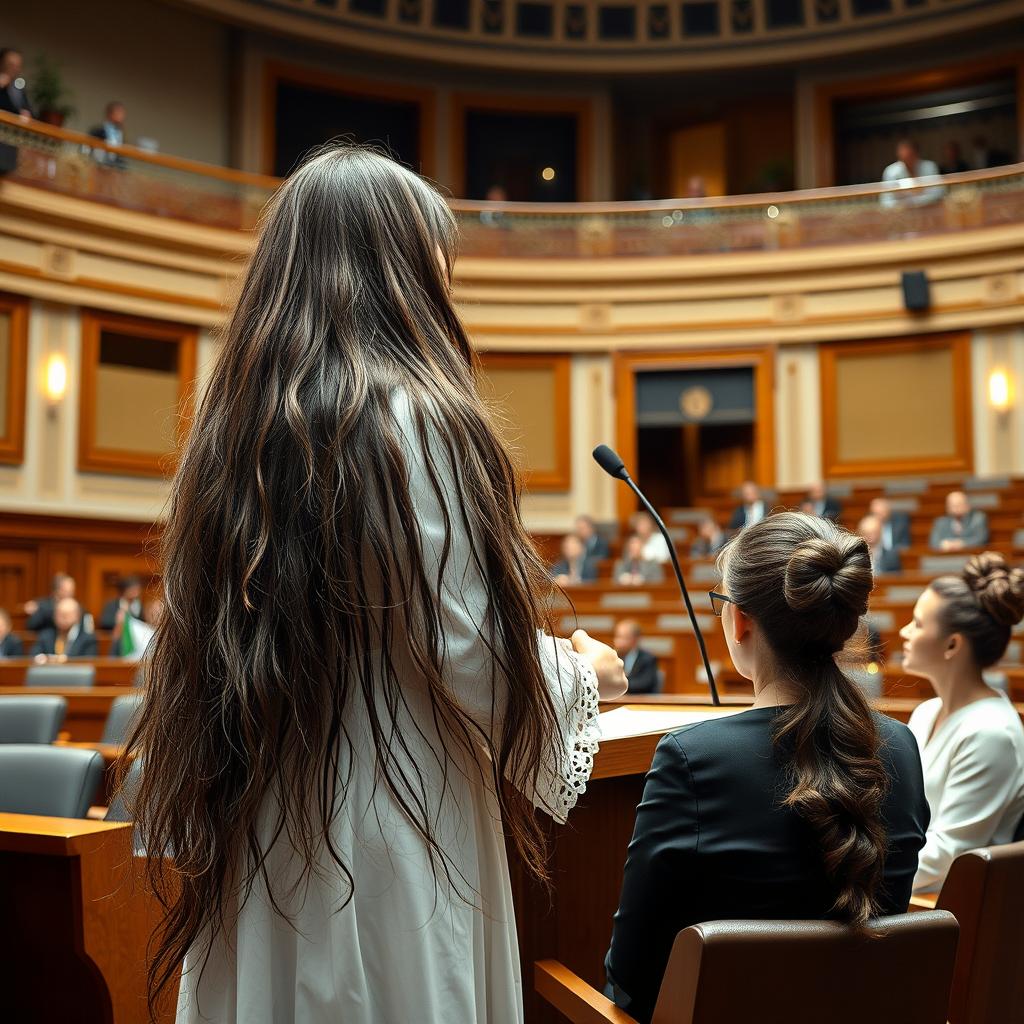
611,673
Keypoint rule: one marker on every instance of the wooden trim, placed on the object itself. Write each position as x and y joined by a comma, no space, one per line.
12,440
174,163
558,479
573,997
462,102
109,460
959,344
950,75
628,364
348,85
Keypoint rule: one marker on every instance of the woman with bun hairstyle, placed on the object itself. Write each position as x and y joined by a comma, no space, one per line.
808,805
971,738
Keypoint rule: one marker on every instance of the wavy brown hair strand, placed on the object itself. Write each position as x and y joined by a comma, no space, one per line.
292,562
828,736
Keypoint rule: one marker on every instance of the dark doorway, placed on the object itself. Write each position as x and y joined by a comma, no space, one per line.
695,433
307,116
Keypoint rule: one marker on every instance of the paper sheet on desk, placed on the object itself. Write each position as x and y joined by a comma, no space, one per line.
622,722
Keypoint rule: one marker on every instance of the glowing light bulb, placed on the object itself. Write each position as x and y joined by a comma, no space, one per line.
56,378
999,390
773,212
548,174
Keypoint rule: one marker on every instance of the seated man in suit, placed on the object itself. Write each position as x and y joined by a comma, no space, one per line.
710,539
632,569
575,566
753,508
128,602
883,559
818,503
40,611
70,636
895,525
593,543
961,526
641,666
10,643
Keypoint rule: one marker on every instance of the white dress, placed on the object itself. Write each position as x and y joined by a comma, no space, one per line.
406,949
973,778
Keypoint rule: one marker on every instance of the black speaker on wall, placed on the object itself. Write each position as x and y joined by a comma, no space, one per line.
916,293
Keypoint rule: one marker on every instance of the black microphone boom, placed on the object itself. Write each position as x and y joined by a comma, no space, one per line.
610,462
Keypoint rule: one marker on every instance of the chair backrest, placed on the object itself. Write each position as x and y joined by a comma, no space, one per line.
119,718
120,808
61,675
59,782
807,972
984,890
31,719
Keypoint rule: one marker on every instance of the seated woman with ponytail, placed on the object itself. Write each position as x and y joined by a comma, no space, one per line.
807,806
971,738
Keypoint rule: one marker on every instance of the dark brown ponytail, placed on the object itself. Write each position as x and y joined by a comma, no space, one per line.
806,582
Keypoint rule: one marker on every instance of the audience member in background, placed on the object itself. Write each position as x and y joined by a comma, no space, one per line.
971,738
641,666
655,548
818,503
788,826
952,159
129,599
40,611
632,569
12,100
576,566
753,508
960,527
696,187
910,169
593,543
895,525
111,131
883,559
69,637
10,643
710,539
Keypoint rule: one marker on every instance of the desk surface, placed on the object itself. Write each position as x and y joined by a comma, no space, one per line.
61,837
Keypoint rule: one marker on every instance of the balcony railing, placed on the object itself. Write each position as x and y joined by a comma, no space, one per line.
122,176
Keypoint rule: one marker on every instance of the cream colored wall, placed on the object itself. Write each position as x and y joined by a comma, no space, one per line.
169,66
998,436
48,480
797,416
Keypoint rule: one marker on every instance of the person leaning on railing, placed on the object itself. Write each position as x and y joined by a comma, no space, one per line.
13,100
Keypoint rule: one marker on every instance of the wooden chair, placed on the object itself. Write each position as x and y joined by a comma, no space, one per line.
787,972
984,890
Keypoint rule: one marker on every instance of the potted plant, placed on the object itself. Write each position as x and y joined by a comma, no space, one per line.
48,94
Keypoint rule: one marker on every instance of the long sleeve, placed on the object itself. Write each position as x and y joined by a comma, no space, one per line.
42,617
983,774
653,903
468,663
108,615
940,532
975,532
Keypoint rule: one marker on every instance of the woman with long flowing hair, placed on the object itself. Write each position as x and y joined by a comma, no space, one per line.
353,696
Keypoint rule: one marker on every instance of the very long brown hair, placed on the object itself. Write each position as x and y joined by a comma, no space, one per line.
279,566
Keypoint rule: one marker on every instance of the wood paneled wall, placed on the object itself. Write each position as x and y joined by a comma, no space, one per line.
96,552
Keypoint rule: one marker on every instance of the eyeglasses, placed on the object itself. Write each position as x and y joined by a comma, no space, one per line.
718,601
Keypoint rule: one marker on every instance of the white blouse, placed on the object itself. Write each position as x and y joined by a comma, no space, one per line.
416,942
973,778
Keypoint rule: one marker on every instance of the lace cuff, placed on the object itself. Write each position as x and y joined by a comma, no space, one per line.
560,784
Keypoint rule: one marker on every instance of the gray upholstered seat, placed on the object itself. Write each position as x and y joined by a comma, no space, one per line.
120,808
55,781
119,718
31,719
61,675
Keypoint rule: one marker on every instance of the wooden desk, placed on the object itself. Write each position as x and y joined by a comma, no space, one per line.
109,671
76,921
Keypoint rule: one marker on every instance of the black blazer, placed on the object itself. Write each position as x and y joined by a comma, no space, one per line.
712,842
42,617
643,676
11,647
887,560
588,569
82,645
899,530
108,615
597,547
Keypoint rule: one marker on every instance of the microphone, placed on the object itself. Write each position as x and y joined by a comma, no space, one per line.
610,462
